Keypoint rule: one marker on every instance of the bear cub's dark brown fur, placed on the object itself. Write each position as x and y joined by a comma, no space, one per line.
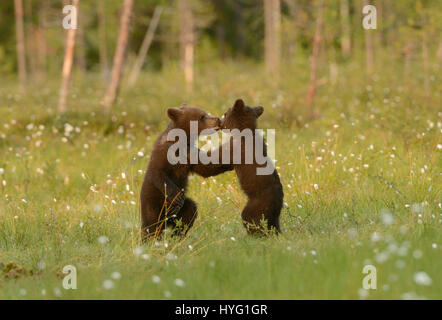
264,192
163,200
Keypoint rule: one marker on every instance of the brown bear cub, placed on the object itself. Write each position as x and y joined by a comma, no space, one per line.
163,200
264,191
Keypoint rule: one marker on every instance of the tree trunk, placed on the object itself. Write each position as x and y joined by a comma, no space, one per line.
41,43
19,29
272,14
80,55
314,60
67,64
439,51
30,39
220,29
293,10
120,53
147,41
345,28
102,39
408,52
369,55
239,26
426,61
187,40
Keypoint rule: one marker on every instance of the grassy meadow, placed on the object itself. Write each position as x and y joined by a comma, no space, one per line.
362,185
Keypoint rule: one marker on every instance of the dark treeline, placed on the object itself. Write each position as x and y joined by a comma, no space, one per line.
121,37
224,28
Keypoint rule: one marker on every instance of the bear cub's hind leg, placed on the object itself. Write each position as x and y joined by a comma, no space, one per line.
253,214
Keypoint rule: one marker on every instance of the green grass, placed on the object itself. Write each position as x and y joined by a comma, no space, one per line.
362,186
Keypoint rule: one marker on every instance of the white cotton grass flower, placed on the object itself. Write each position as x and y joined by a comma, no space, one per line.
179,282
116,275
171,256
417,254
363,293
156,279
387,217
108,284
381,257
412,296
145,256
41,265
167,294
376,236
422,278
103,240
57,292
417,208
138,251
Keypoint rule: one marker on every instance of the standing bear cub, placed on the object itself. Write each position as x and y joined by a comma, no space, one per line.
264,190
163,202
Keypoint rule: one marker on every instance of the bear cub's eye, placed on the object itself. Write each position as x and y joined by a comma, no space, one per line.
202,117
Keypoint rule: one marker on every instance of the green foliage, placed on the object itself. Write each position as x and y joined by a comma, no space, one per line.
234,28
362,186
362,181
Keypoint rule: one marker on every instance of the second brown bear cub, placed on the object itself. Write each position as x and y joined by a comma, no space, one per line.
264,192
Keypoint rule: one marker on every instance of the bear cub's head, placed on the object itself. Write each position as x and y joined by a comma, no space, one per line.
182,116
241,116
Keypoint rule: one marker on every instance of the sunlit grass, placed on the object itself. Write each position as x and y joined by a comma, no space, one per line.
362,186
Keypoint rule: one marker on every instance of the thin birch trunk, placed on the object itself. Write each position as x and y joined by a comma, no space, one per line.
102,39
20,38
147,41
345,28
120,53
80,56
426,62
407,62
187,41
67,65
314,59
439,51
369,55
272,13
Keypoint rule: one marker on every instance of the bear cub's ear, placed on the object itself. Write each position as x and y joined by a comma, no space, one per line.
174,114
258,111
239,105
